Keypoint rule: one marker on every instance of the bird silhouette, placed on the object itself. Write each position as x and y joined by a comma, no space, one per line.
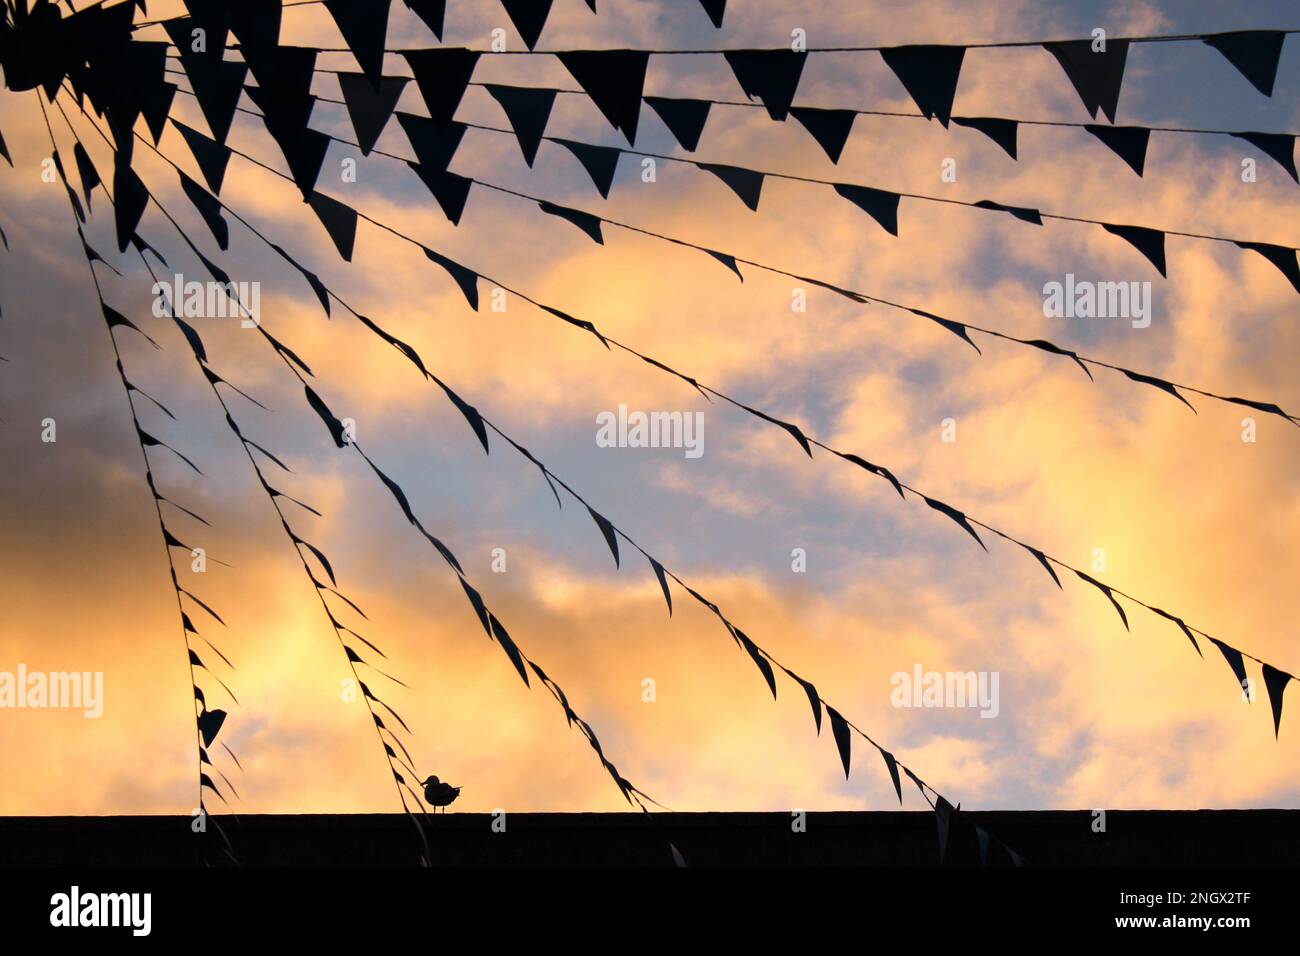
439,794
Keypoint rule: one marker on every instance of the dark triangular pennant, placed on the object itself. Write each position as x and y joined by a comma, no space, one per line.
129,199
465,277
208,208
211,156
684,118
600,162
1279,146
728,260
284,88
1276,681
714,8
304,150
256,24
1281,256
1235,661
614,80
583,220
442,75
1097,77
1255,53
1129,143
156,106
930,75
217,87
1025,213
769,75
1001,131
882,206
528,109
85,169
745,183
830,128
364,25
529,17
432,12
339,220
1149,242
449,189
843,742
210,722
369,107
435,143
212,18
4,150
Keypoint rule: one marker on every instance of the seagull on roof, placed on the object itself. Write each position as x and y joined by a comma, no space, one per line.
439,794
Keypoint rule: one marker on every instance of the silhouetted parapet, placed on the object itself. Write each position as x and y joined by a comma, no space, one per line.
1044,838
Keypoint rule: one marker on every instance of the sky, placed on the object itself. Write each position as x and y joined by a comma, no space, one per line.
1186,514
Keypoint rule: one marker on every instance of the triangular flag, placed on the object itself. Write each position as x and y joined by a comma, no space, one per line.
1129,143
1001,131
600,162
1025,213
529,17
369,107
1097,76
745,183
684,118
85,168
217,83
1279,146
432,12
1276,681
435,143
1281,256
449,189
583,220
614,80
930,74
770,75
284,89
208,208
882,206
1254,53
466,278
339,220
442,75
212,18
843,741
155,106
364,25
830,128
4,150
714,8
129,199
528,110
1149,242
304,150
256,24
1235,661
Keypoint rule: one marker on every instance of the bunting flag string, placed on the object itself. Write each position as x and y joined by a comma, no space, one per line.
452,192
807,441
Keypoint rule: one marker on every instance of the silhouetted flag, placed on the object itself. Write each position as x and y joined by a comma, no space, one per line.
316,285
600,162
583,220
369,107
684,118
364,25
956,516
1097,77
432,12
210,722
760,661
336,432
1276,681
930,74
211,156
606,529
716,9
529,17
814,698
840,728
208,208
508,645
465,408
1254,53
434,142
770,75
943,822
528,109
1182,625
830,128
1109,595
727,260
217,85
1149,242
1047,565
1001,131
304,150
85,169
156,106
114,318
339,220
256,24
614,80
882,206
4,150
1280,256
956,328
663,582
211,16
129,199
1159,383
745,183
1129,143
1235,661
449,189
466,278
892,764
442,76
1023,213
1279,146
